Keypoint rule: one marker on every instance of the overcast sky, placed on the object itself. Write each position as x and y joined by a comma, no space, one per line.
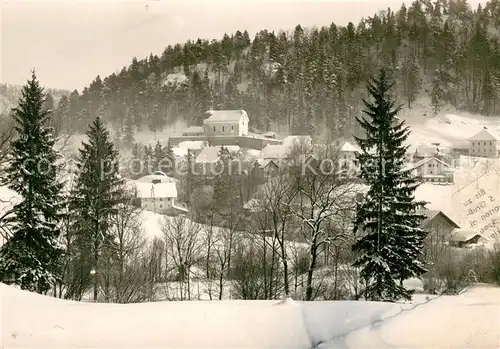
70,42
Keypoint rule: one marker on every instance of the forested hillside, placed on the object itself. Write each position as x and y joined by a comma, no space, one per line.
308,80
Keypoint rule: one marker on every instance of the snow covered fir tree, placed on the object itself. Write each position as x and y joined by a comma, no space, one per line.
31,256
391,243
97,193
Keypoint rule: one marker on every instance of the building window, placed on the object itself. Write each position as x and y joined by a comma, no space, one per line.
222,128
214,128
160,199
232,128
168,199
161,206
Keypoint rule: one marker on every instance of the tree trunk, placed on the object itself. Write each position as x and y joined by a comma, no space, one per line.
312,265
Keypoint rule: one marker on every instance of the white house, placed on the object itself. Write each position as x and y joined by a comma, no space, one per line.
347,153
157,193
226,123
432,169
484,144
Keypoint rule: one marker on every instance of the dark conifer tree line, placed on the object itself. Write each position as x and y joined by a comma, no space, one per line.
306,80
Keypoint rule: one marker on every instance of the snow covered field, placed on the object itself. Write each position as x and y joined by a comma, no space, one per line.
470,320
449,129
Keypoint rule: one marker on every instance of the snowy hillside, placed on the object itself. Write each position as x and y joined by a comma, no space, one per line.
448,129
469,320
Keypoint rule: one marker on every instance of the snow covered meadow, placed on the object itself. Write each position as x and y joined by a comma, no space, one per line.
468,320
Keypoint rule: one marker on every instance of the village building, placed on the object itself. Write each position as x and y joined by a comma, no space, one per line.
194,147
438,223
156,177
264,169
157,193
347,154
440,228
226,123
158,197
432,170
425,151
276,152
484,144
466,238
208,162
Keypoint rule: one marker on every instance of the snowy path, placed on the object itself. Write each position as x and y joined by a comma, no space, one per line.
471,320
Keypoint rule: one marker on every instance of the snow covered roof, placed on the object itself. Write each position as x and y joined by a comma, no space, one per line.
156,177
483,135
191,144
158,190
180,151
431,214
348,147
463,235
224,116
253,153
274,151
262,163
208,155
423,162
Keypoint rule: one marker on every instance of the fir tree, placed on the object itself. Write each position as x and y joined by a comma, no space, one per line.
98,191
136,167
168,165
31,257
147,159
437,92
128,137
391,241
158,156
412,79
189,176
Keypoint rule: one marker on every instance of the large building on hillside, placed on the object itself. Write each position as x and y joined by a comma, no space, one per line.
484,144
226,123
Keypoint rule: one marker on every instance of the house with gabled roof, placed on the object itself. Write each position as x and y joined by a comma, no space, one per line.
226,123
157,193
484,144
431,169
264,169
440,228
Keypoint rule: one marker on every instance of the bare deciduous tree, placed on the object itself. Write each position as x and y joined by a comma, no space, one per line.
126,226
322,197
183,241
7,132
274,200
